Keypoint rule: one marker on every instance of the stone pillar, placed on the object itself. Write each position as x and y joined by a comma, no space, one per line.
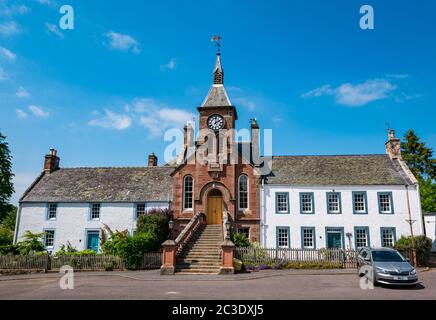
169,257
227,258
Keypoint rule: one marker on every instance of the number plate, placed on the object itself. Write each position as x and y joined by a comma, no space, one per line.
400,278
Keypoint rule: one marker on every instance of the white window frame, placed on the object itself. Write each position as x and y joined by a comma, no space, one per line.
185,208
247,192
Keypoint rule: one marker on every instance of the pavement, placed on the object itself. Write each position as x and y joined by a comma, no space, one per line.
262,285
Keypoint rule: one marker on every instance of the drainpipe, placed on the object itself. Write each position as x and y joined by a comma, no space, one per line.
410,221
262,215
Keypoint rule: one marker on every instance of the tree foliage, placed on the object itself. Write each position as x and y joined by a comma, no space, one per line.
419,159
6,175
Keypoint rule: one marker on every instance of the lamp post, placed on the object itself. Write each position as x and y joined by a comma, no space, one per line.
228,229
349,235
170,226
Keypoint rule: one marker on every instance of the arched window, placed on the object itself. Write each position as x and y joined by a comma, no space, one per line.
243,192
188,188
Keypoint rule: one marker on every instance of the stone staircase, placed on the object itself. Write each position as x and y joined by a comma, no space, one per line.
202,253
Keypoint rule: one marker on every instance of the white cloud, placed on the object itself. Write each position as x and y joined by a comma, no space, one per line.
9,29
158,117
112,120
52,28
21,114
122,42
7,54
171,65
22,93
38,112
50,3
13,10
358,95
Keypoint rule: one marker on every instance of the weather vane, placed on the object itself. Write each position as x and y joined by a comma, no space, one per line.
217,40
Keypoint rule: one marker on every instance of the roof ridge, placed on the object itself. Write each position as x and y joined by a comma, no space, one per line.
132,167
332,155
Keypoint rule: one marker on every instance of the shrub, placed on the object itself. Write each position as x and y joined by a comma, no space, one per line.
6,236
31,244
240,240
111,246
155,222
132,249
423,248
9,250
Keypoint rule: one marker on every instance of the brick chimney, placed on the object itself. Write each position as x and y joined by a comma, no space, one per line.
152,160
51,161
255,142
393,147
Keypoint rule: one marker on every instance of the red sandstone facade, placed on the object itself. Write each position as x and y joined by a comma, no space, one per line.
210,178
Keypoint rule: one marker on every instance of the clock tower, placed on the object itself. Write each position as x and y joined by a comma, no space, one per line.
212,178
216,111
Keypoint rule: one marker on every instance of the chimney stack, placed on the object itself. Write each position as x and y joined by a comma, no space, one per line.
393,145
51,161
152,160
255,142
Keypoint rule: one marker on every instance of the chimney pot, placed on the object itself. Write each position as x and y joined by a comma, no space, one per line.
152,160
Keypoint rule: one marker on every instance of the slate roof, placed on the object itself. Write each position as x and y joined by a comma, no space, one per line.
337,170
132,184
217,97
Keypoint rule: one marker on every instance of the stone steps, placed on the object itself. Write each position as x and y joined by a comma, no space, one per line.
202,254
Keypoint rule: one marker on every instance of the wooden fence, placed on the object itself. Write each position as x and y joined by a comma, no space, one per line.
152,260
275,256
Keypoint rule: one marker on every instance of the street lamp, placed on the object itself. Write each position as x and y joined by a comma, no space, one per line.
170,226
228,229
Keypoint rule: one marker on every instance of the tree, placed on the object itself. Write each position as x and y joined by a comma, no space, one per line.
6,186
419,159
7,227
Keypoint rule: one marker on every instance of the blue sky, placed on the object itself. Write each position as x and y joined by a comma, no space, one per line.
104,93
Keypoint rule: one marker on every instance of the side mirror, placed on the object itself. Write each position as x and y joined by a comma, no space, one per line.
367,259
408,260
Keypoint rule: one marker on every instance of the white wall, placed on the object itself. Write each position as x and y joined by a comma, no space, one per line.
73,220
430,228
320,220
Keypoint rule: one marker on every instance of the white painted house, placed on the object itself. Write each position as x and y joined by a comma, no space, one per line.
340,201
430,228
71,205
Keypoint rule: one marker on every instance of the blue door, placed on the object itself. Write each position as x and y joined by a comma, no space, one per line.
92,241
334,240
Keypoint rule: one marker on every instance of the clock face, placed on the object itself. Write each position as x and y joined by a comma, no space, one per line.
215,122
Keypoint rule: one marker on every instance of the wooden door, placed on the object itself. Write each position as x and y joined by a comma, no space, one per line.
214,208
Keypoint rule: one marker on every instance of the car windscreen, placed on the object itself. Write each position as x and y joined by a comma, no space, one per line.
386,256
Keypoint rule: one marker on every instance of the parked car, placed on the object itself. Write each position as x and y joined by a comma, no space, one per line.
386,266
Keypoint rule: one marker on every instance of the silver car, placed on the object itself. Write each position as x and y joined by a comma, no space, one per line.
386,266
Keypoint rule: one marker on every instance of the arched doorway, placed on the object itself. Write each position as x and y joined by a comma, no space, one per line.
214,207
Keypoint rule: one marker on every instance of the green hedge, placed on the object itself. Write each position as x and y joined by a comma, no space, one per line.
423,248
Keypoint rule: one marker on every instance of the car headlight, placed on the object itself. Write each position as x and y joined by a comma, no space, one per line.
413,272
381,270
